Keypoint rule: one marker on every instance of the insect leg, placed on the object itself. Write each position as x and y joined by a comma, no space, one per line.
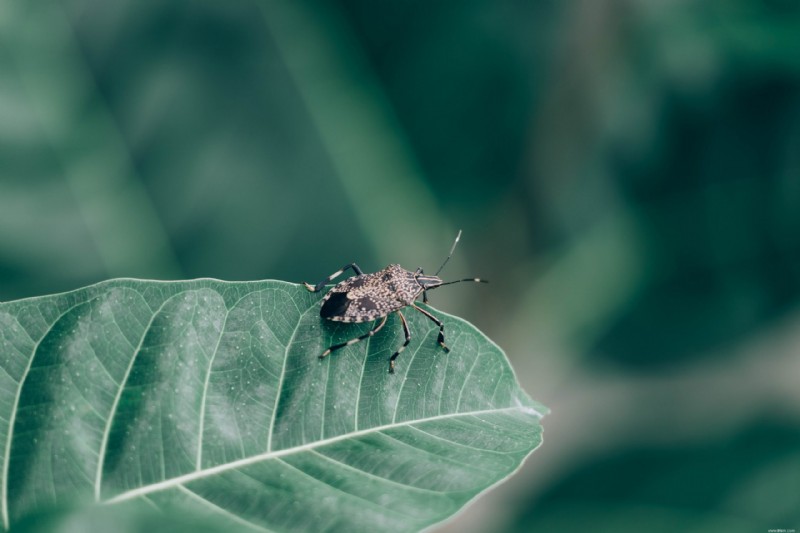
437,322
318,287
424,292
403,347
370,333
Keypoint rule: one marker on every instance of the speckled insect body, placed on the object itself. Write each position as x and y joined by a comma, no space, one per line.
366,297
371,296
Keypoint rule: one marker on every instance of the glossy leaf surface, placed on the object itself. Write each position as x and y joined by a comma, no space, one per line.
209,396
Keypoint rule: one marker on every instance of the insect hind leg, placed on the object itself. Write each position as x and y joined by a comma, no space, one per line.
318,287
370,333
438,323
403,347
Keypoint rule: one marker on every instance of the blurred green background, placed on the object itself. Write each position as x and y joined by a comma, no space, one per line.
626,173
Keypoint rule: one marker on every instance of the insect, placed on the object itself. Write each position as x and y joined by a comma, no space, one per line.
366,297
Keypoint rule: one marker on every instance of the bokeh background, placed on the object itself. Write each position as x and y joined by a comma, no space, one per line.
626,172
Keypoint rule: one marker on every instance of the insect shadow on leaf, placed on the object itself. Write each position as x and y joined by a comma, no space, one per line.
373,297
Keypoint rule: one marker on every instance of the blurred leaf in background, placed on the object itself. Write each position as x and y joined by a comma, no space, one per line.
626,172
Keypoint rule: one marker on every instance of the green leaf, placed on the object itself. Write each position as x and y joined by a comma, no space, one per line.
209,396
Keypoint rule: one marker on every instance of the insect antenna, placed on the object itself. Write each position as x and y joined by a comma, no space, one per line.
453,249
425,291
477,280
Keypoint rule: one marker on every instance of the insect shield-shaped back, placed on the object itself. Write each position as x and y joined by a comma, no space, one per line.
366,297
371,296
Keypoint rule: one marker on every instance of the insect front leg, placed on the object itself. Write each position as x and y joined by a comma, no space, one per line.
370,333
437,322
403,347
424,292
318,287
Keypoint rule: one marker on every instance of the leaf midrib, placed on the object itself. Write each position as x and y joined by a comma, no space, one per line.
208,472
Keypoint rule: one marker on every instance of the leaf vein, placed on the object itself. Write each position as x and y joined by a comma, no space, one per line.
437,456
208,378
460,444
361,383
13,417
115,404
206,502
466,380
405,378
342,491
373,476
283,374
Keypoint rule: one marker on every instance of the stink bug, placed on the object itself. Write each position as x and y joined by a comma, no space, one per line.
366,297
